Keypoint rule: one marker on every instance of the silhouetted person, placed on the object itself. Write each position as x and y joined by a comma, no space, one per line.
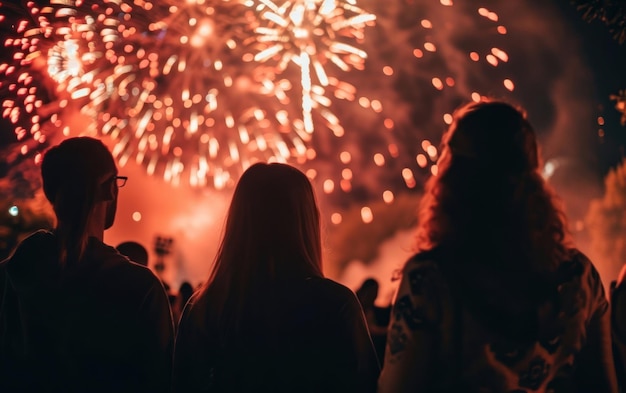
377,317
496,299
184,293
267,320
77,316
134,251
618,324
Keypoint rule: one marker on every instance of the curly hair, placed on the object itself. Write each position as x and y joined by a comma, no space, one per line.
488,199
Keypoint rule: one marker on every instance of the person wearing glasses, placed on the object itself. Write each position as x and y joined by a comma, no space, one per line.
76,315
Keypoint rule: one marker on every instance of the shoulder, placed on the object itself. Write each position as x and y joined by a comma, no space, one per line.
329,290
422,294
329,286
422,272
112,259
36,244
118,267
318,293
36,252
579,265
580,282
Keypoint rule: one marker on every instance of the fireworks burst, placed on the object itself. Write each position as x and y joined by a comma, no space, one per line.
425,58
28,99
190,103
175,85
25,103
311,34
198,90
386,111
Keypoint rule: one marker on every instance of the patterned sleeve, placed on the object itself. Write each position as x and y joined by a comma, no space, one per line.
413,329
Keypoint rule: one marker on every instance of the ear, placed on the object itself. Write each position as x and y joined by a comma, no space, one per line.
106,191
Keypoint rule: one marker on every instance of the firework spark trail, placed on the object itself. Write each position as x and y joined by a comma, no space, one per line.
311,34
174,83
183,99
182,90
420,67
169,82
424,57
25,104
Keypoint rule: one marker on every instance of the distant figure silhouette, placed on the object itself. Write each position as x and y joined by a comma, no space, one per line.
75,315
184,293
496,299
134,251
377,317
267,320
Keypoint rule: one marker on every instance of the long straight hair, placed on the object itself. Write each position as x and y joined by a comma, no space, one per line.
271,237
71,173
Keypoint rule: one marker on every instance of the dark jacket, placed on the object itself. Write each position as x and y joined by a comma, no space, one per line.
312,338
101,326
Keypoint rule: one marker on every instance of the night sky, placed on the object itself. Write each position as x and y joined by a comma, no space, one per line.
607,60
564,70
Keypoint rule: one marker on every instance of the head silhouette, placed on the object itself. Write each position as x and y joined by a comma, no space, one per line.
271,235
184,292
493,135
79,181
488,195
368,292
273,223
134,251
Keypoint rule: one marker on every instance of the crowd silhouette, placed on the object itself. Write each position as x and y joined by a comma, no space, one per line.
496,298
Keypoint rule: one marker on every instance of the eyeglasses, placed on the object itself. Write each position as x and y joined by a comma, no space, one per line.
121,181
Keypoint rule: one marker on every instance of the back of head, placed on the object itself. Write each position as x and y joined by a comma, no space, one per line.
489,196
272,234
72,173
367,292
273,219
134,251
495,136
